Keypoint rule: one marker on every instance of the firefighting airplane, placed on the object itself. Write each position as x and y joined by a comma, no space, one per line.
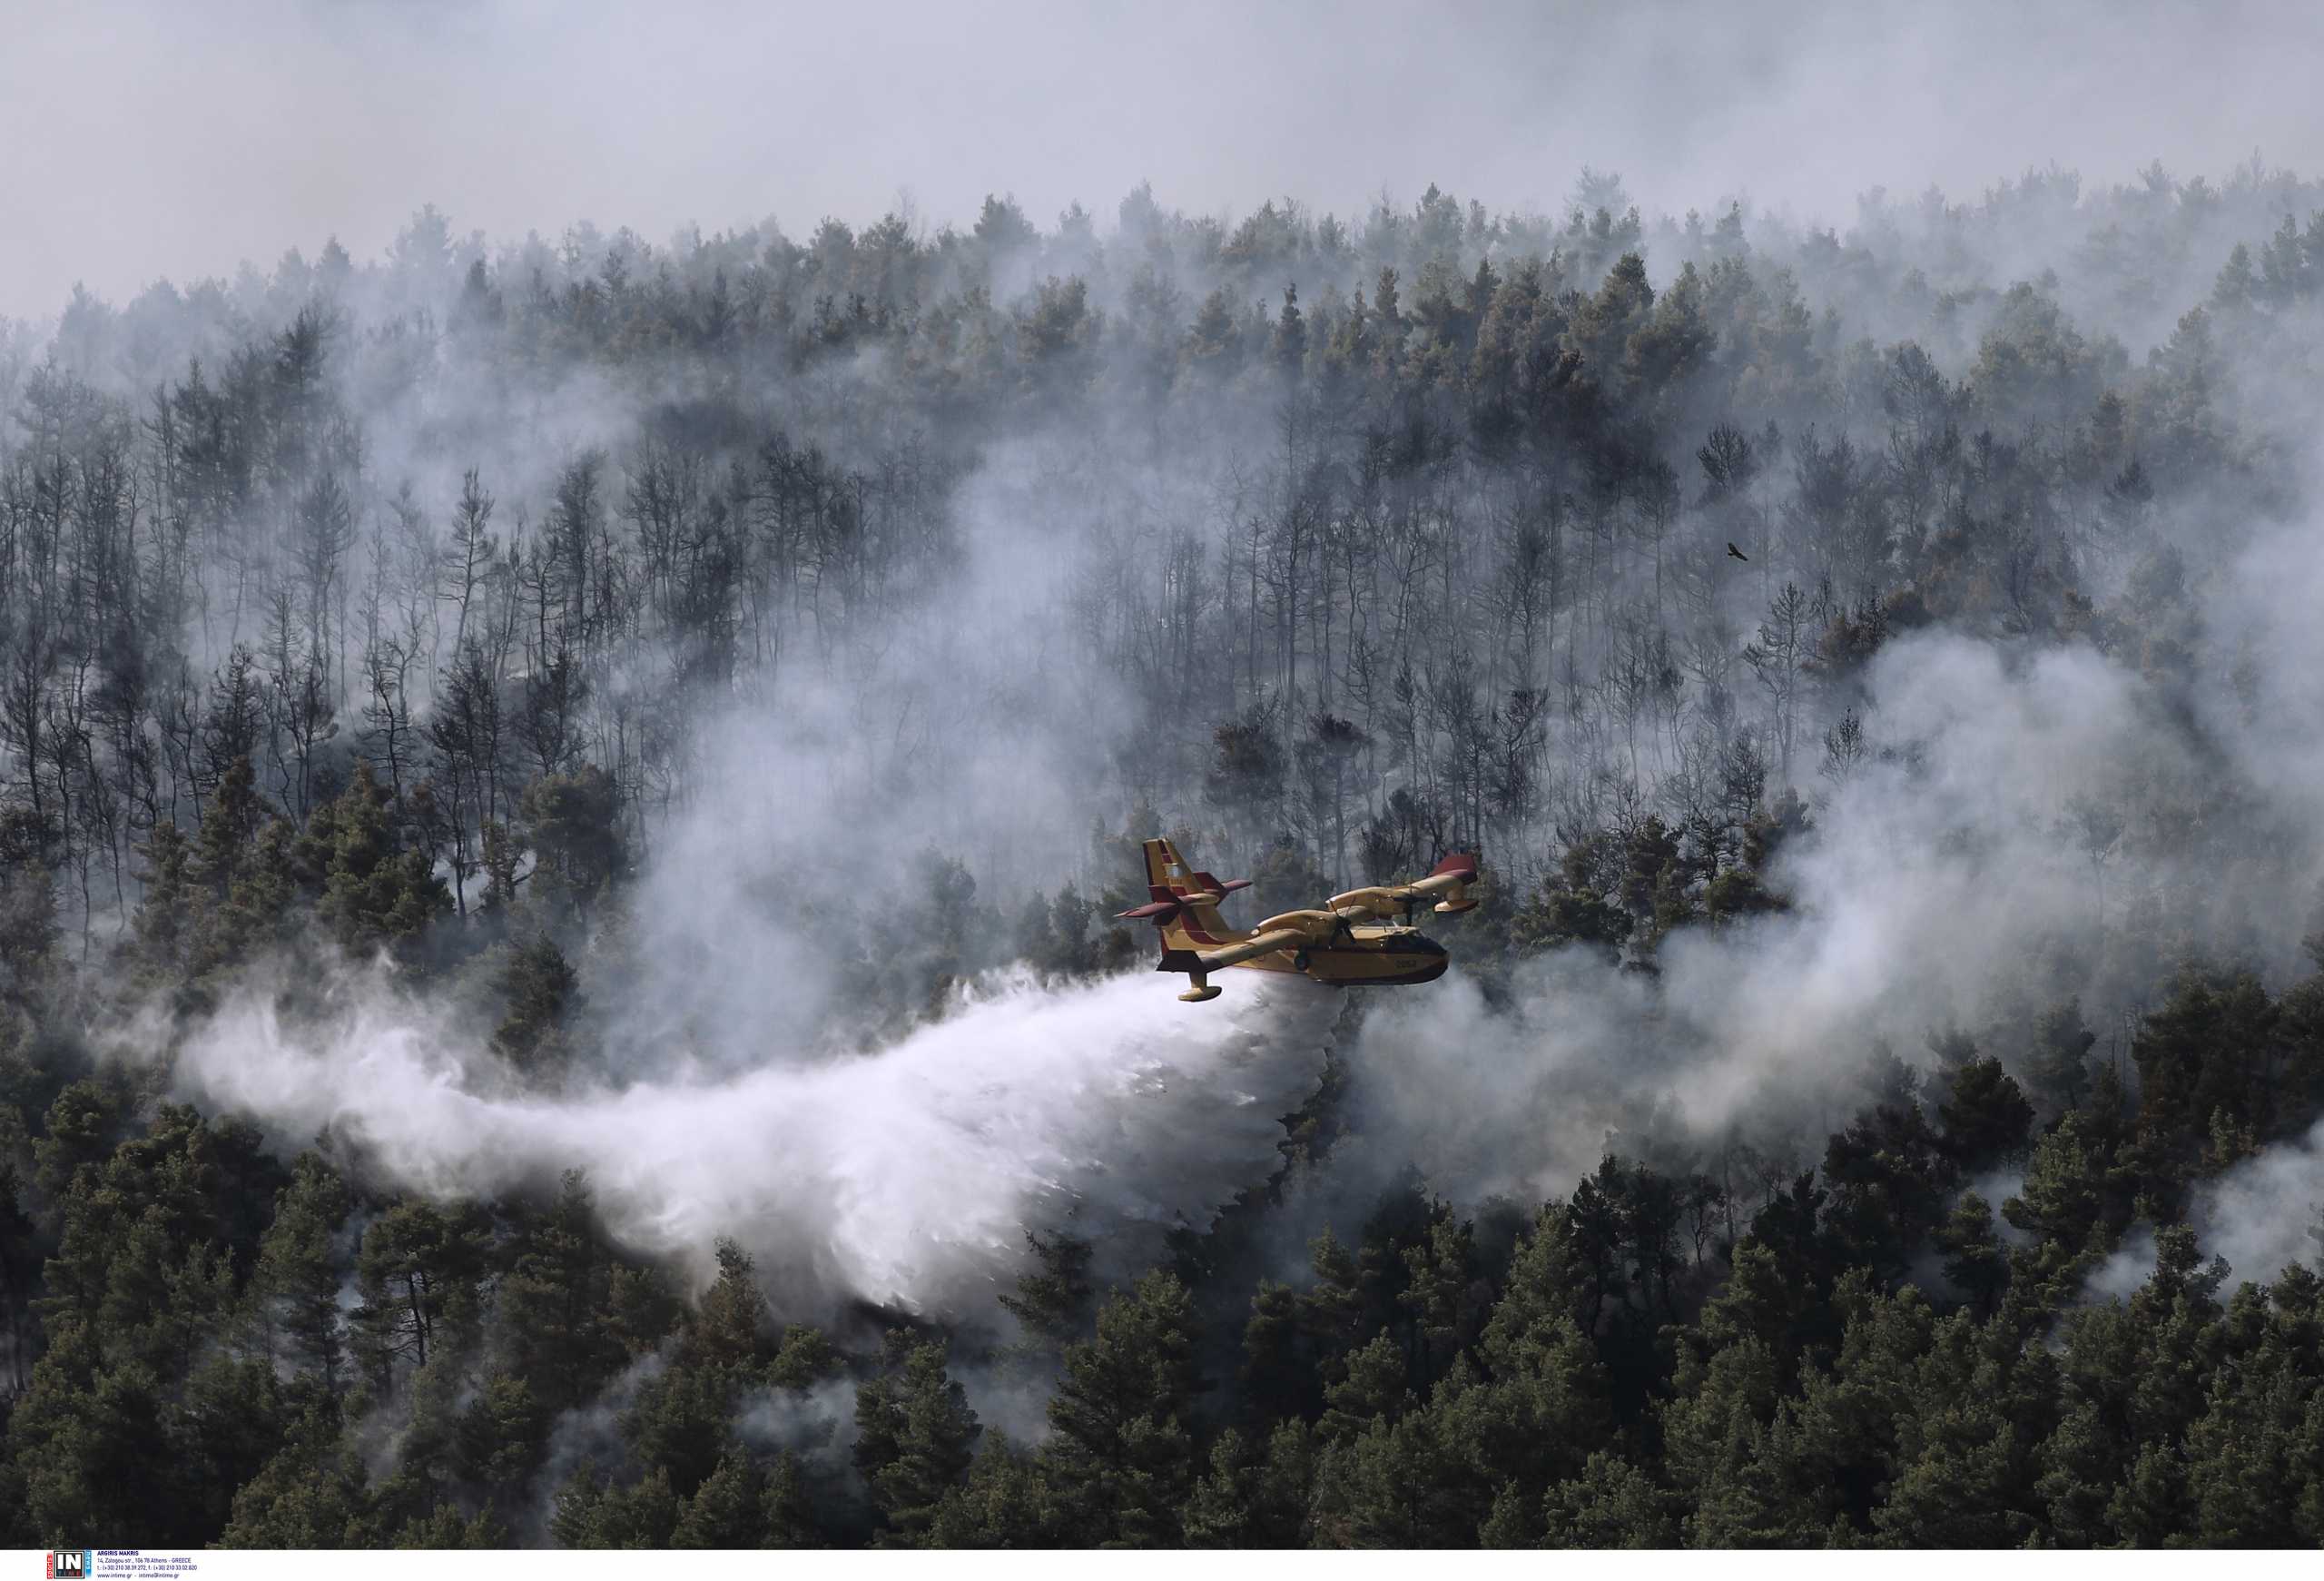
1342,944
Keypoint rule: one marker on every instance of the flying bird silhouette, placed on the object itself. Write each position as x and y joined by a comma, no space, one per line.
1737,553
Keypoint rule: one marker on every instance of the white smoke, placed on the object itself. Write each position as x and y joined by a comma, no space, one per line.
2259,1217
906,1176
1945,885
2264,1213
819,1420
584,1435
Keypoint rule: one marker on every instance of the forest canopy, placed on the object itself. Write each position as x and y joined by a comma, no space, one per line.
563,805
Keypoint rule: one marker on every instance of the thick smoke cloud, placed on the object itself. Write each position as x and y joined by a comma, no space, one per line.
966,732
1953,881
499,113
1948,886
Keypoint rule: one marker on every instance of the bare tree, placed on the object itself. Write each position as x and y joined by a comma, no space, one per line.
1783,647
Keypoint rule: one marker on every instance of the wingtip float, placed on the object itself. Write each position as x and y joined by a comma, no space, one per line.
1362,938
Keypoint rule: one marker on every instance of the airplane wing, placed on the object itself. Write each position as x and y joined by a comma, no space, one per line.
1447,884
1257,944
1379,901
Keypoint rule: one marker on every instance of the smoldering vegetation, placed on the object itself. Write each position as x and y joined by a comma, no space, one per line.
564,803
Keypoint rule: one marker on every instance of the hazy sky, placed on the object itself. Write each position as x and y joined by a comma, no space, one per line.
147,138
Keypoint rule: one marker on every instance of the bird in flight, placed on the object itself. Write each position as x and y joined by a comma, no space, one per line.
1737,553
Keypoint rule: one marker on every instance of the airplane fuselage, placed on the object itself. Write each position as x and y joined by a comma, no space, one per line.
1362,957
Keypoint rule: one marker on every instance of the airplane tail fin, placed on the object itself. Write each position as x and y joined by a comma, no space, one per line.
1184,906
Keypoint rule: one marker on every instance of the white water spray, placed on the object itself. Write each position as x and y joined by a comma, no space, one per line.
906,1176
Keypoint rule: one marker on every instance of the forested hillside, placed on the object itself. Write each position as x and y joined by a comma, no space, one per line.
562,808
